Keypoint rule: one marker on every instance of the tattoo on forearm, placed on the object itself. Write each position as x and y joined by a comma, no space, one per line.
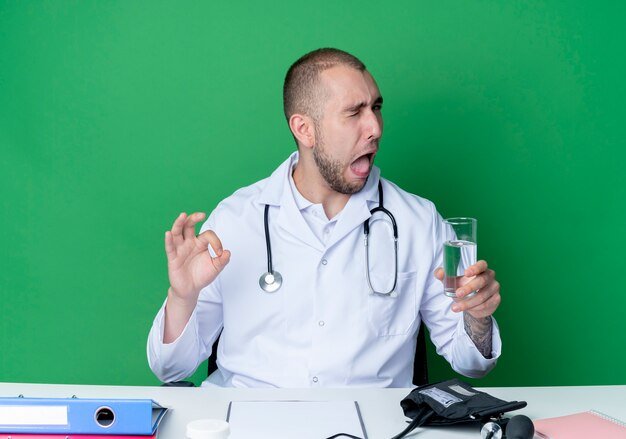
479,331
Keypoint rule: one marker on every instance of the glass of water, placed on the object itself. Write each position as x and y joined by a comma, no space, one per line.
460,249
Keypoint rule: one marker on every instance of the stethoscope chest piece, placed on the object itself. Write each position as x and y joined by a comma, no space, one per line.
270,282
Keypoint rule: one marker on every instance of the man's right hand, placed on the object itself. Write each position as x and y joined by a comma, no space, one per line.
190,268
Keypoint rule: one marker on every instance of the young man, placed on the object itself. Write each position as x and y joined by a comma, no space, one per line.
324,326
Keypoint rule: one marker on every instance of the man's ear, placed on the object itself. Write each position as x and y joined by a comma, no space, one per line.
303,129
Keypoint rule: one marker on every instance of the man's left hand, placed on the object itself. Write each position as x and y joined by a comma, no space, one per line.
477,310
481,279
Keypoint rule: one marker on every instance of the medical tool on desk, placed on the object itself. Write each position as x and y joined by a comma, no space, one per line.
454,402
271,280
518,427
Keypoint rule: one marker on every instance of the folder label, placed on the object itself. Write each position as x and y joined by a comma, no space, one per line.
33,415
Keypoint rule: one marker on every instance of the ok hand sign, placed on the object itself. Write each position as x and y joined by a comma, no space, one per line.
190,266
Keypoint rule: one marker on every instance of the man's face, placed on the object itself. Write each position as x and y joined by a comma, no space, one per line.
347,134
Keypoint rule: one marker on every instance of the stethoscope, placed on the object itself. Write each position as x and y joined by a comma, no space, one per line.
271,280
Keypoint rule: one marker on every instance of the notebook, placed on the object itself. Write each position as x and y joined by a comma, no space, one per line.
584,425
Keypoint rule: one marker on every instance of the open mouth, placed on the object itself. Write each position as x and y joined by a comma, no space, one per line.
362,165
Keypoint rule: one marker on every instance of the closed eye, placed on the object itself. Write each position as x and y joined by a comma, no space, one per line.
356,109
378,104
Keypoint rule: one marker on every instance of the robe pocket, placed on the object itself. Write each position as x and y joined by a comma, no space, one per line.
395,314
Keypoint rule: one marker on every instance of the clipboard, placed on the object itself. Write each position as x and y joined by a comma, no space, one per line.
294,418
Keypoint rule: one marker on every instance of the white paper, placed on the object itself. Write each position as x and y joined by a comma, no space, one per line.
294,419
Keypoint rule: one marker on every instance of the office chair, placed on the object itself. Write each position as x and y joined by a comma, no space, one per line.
420,366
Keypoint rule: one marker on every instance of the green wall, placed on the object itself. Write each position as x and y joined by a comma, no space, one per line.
117,115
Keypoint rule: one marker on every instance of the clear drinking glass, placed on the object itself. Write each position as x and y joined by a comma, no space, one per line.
460,249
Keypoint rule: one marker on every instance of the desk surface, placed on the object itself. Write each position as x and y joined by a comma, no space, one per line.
380,408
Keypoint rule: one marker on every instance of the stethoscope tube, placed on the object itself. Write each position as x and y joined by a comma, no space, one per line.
270,281
267,238
366,231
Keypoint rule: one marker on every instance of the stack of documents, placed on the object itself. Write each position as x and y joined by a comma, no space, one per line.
78,418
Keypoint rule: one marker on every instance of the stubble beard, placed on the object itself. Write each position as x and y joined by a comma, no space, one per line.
331,170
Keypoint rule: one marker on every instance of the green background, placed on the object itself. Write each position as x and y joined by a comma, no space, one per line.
117,115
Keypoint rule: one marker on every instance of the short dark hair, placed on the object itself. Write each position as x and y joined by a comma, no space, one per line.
301,91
